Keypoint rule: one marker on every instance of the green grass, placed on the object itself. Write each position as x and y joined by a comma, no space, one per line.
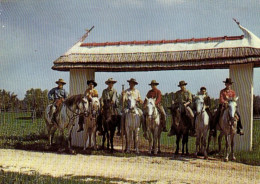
17,131
21,178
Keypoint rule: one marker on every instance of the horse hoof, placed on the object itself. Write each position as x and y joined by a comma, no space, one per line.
233,158
226,160
206,157
187,154
72,152
176,153
159,151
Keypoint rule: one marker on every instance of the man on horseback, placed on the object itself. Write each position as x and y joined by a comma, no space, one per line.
135,93
58,95
225,95
183,98
90,92
110,94
155,93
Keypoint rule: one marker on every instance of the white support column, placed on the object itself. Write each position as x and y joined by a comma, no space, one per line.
242,75
78,85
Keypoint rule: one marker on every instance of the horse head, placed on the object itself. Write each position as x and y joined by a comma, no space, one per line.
78,104
94,106
131,102
232,107
199,104
150,107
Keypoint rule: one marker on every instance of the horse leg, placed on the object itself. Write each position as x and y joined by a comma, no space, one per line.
107,133
51,135
227,148
94,133
89,139
103,140
159,142
185,142
112,133
155,137
177,144
128,138
150,141
232,147
204,144
197,144
136,141
219,141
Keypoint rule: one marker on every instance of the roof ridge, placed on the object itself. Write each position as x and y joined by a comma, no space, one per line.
152,42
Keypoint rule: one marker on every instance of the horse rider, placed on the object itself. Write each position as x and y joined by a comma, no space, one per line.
225,95
155,93
207,102
90,92
183,98
135,93
110,94
58,95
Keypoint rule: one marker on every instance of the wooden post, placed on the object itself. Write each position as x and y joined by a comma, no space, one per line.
78,85
242,75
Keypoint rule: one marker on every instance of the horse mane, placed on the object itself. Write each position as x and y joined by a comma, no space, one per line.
75,99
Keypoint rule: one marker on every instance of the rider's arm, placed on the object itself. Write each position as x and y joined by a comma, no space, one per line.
222,97
51,94
159,97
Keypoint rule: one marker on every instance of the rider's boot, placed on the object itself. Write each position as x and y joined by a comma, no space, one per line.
81,121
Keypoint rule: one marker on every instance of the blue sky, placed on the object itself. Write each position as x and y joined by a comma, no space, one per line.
33,33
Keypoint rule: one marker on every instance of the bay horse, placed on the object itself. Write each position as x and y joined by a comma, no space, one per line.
71,108
181,125
228,127
109,121
153,125
132,120
91,123
202,125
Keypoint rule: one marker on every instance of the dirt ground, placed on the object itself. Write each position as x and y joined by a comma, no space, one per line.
139,168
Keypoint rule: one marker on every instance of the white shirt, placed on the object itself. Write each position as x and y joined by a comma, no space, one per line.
134,93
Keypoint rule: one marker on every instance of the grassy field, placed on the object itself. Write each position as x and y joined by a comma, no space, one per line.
18,131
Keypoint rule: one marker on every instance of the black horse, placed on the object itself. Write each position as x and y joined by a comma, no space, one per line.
109,121
181,125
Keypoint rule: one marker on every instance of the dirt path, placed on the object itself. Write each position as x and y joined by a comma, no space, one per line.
140,168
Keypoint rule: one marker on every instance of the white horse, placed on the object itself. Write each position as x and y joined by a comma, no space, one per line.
202,125
132,123
91,123
153,126
228,127
70,109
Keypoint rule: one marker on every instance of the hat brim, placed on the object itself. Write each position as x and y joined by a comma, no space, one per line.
132,82
154,84
89,82
228,82
182,84
57,82
107,82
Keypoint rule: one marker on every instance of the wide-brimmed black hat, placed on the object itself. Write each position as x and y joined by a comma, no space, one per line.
203,88
92,81
182,83
133,81
60,81
228,81
154,82
110,80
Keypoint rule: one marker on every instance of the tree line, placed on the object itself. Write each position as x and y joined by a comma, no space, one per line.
37,99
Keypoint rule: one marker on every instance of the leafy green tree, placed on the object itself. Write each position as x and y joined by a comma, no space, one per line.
36,100
8,100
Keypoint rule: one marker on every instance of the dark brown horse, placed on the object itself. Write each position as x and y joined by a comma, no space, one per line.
181,126
109,123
